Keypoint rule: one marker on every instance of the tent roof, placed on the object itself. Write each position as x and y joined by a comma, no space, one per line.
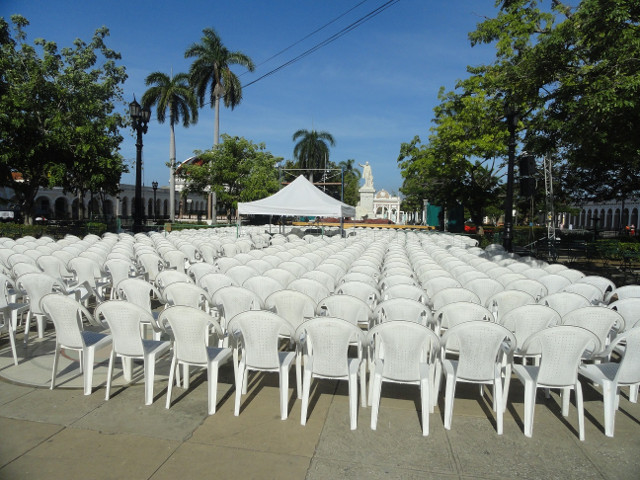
300,197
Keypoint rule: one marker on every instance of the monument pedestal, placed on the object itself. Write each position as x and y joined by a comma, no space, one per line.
365,205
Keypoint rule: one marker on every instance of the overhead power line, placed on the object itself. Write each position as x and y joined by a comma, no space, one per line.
307,36
329,40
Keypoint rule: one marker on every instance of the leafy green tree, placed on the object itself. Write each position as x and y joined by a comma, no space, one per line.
58,122
237,169
351,181
312,149
172,93
211,71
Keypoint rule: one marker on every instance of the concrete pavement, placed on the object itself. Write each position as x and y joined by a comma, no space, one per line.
64,434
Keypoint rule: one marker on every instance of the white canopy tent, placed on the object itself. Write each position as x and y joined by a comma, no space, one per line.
299,198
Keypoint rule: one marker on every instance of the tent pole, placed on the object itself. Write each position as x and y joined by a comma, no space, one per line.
341,227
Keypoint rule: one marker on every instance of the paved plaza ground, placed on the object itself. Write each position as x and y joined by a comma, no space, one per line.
64,434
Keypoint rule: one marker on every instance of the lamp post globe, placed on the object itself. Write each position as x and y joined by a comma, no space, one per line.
139,120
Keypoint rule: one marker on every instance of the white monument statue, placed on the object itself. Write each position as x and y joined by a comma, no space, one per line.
365,205
367,175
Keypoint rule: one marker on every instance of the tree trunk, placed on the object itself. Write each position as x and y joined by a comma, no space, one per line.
172,178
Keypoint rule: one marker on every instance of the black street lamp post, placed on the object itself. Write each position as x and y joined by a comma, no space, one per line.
139,118
154,185
512,123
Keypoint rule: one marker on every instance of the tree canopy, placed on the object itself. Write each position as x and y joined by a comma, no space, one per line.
237,170
58,119
312,150
571,75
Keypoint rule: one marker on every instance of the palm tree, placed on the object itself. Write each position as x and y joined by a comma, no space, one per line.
210,71
351,179
176,95
312,150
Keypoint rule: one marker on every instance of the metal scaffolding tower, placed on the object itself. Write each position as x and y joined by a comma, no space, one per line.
548,191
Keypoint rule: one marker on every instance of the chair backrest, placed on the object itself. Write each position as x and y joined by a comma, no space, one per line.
526,320
455,313
240,273
152,264
412,292
479,346
554,282
281,275
324,278
327,341
351,276
434,285
233,300
624,292
66,315
346,307
119,269
402,309
405,346
451,295
138,292
604,284
36,286
292,305
198,270
363,291
258,264
310,287
186,294
168,277
599,320
124,319
189,329
629,368
213,282
561,349
225,263
587,290
54,266
629,308
505,301
259,333
564,302
86,270
263,286
485,288
533,287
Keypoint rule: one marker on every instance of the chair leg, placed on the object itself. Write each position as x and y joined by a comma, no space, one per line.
306,388
449,397
529,407
298,373
363,383
580,405
110,374
353,400
497,398
609,398
375,384
149,374
284,392
566,399
12,340
239,383
633,393
172,372
425,398
56,356
212,378
27,327
87,359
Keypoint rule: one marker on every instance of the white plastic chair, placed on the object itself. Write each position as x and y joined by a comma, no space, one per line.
598,320
190,329
9,311
481,347
212,282
346,307
363,291
564,302
561,349
402,309
587,290
485,288
263,286
124,319
241,273
455,313
256,336
624,292
67,316
312,288
412,292
533,287
232,300
451,295
325,343
186,294
629,308
503,302
403,352
613,375
140,292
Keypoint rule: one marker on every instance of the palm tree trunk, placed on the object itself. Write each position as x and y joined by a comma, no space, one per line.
172,178
216,125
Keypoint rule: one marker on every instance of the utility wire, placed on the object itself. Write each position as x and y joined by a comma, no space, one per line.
306,36
329,40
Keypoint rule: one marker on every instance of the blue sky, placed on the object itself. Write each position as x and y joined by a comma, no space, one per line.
372,89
